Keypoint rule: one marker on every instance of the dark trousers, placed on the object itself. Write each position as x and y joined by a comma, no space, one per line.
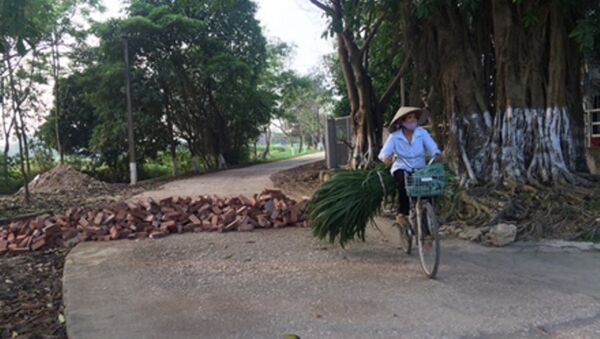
403,202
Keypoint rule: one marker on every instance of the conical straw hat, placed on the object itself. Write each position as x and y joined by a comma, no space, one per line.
403,111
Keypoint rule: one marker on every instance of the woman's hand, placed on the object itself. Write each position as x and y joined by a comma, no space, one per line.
388,160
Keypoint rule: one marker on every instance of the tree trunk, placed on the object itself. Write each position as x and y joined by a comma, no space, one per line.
19,128
173,159
222,164
366,124
25,141
301,132
171,127
301,145
5,129
194,158
443,40
366,109
56,76
267,142
538,103
24,173
512,106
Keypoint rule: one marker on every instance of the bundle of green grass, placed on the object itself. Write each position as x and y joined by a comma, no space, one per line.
342,207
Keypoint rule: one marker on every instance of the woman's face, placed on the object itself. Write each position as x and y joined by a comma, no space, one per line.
410,117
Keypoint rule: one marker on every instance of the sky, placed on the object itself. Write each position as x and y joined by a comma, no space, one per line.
296,22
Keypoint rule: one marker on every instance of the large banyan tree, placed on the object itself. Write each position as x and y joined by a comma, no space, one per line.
508,75
505,75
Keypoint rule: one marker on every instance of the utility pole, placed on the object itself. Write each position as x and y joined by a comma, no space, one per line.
130,139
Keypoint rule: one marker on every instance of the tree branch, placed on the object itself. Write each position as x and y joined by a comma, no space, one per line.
371,34
323,7
383,101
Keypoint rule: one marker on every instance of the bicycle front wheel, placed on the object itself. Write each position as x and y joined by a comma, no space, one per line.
428,238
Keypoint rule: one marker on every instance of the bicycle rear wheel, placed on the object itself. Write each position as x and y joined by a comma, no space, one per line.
428,238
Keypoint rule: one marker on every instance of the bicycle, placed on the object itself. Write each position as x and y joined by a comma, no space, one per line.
421,186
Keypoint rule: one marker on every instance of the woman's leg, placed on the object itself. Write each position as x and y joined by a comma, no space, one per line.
403,202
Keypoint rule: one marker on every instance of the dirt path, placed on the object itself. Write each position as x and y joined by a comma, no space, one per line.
269,283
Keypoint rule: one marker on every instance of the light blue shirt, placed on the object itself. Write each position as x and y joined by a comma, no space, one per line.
409,156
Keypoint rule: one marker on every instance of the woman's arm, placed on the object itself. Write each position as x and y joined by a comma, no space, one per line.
432,148
387,151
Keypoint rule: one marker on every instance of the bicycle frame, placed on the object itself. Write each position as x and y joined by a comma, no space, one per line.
412,201
415,226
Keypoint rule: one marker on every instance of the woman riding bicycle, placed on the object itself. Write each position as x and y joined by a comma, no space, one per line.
410,144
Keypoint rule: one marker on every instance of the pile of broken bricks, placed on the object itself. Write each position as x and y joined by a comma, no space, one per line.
269,209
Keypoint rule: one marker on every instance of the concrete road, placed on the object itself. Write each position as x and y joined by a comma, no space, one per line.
269,283
245,180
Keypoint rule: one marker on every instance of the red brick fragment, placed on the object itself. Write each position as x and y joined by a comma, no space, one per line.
18,249
121,215
99,218
170,225
246,201
294,214
114,233
83,222
232,225
263,221
109,218
174,215
229,216
141,235
38,243
157,234
194,219
245,227
215,220
69,233
52,229
204,208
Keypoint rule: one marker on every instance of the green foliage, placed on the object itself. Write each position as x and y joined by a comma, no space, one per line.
530,20
10,179
211,85
23,22
342,207
42,155
304,105
281,152
587,34
196,76
386,50
424,8
78,116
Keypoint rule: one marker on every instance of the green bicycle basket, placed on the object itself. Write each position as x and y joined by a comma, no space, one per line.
427,182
